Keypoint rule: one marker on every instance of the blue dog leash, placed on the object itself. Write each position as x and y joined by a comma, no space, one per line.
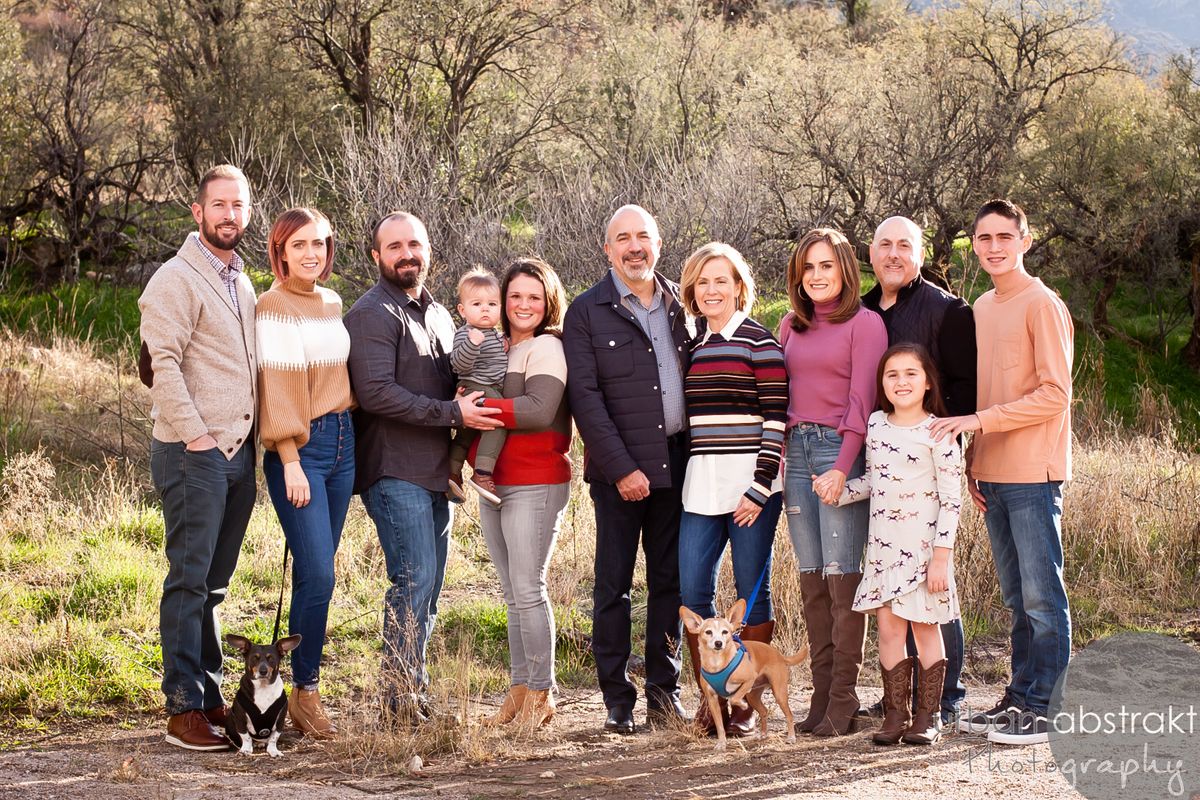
750,603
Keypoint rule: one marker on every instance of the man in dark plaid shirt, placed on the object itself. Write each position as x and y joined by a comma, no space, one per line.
400,340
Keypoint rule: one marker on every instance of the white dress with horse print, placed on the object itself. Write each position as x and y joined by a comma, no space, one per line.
915,487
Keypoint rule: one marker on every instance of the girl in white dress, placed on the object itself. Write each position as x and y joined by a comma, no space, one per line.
914,485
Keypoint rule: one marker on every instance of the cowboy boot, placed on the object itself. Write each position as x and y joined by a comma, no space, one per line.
897,686
702,721
818,620
849,640
509,707
926,725
742,721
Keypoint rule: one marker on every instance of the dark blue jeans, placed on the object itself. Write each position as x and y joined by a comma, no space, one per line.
313,532
1024,522
207,500
413,524
702,541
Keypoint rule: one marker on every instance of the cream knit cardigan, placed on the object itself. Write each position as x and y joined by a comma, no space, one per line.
202,354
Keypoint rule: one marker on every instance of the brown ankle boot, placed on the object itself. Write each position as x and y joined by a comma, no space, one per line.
897,690
742,721
308,715
702,721
926,725
509,707
818,619
849,640
537,709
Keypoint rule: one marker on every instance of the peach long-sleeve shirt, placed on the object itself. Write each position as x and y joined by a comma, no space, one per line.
1026,347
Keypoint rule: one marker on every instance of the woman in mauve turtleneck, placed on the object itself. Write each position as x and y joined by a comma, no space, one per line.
831,348
304,422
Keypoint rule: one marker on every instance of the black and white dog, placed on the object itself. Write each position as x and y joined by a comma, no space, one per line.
260,707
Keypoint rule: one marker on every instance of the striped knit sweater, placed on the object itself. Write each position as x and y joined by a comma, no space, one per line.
736,391
302,373
534,411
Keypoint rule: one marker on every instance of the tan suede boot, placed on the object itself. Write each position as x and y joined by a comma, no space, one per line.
897,690
926,725
537,709
849,640
510,706
742,721
308,715
818,619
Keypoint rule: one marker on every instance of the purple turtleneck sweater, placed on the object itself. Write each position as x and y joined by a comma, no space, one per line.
831,374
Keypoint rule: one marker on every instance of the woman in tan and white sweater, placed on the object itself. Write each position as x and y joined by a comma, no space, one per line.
304,416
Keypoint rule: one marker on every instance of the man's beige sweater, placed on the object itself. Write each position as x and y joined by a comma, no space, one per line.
202,352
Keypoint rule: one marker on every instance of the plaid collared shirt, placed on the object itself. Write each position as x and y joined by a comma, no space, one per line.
228,274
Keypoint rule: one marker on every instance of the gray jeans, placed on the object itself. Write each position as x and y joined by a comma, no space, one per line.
520,539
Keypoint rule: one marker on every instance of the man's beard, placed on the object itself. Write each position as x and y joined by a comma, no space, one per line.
221,239
639,273
409,279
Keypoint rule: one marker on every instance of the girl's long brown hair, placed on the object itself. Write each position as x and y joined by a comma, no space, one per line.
932,402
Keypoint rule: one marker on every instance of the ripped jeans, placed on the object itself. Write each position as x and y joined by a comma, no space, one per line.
827,538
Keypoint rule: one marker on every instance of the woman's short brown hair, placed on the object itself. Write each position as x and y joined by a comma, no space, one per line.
695,265
284,226
556,297
843,253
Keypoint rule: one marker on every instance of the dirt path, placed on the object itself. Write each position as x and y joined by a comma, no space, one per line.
574,760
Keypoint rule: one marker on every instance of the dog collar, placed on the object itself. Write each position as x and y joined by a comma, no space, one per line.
718,680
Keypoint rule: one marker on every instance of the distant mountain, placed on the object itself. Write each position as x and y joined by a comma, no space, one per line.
1156,28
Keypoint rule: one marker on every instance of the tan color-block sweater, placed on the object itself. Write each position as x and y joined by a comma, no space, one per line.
201,350
302,375
1026,347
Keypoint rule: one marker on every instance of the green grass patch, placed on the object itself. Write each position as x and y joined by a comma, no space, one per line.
87,310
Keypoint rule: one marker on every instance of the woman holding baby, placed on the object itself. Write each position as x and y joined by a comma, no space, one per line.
532,479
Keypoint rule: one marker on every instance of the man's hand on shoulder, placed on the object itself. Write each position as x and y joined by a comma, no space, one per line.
476,416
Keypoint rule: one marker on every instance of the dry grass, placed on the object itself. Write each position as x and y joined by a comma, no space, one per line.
81,564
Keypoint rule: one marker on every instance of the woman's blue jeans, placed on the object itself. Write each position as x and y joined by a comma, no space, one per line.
313,532
829,539
702,541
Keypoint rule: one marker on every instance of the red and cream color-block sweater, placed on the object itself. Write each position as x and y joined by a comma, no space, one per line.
302,373
534,411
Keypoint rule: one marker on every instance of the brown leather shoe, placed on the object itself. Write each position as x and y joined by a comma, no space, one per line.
192,730
510,707
217,715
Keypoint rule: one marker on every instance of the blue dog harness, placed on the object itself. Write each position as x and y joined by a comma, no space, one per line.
718,680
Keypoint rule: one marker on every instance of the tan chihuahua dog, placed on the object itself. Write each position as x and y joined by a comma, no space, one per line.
740,671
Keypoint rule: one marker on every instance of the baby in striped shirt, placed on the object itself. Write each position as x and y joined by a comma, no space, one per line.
480,359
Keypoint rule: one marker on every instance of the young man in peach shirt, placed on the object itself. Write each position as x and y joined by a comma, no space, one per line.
1016,465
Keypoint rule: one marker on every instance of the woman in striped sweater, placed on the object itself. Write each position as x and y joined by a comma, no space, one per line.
533,481
304,422
736,392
